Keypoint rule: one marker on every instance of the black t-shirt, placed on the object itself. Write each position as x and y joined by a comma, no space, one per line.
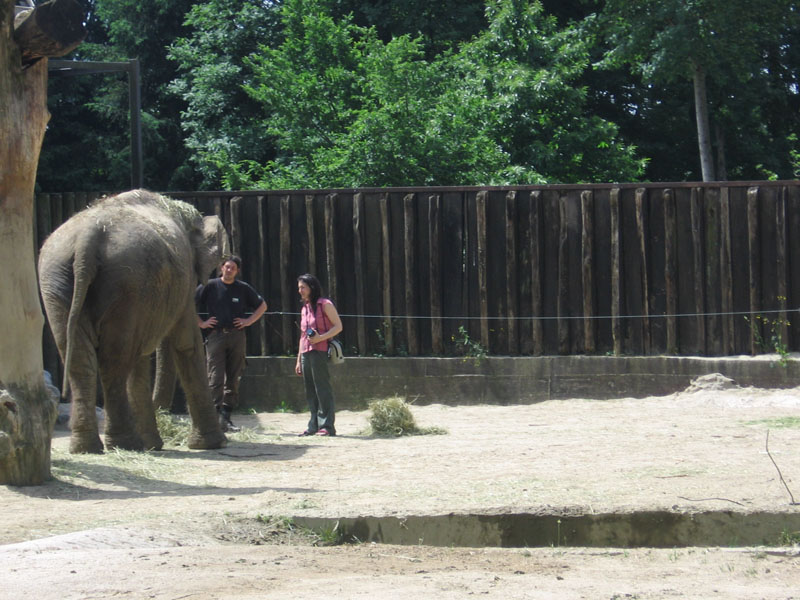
226,301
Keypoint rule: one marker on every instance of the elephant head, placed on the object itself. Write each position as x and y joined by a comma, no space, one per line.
211,245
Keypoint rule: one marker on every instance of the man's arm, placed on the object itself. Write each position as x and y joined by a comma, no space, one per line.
242,323
262,308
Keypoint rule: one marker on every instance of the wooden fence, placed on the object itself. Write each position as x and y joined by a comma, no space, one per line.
684,268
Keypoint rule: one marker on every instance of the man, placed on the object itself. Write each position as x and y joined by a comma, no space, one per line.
232,305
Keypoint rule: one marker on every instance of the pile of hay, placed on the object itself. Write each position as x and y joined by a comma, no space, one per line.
176,429
393,417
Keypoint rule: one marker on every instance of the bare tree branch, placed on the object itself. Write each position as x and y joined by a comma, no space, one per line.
779,472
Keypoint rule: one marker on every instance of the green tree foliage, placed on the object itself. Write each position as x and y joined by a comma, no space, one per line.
299,93
531,68
222,125
440,25
346,109
724,50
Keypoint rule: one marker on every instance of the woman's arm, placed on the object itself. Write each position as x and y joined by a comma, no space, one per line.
333,318
298,367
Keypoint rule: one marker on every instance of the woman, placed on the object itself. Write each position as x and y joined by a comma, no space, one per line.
319,322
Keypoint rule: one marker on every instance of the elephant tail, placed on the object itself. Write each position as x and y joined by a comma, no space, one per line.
84,270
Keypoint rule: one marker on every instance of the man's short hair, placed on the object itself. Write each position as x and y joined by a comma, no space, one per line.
234,259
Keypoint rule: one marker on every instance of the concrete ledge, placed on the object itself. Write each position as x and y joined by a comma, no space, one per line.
651,529
270,382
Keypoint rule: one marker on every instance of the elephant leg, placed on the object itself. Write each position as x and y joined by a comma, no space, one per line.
143,412
120,429
85,437
190,362
166,377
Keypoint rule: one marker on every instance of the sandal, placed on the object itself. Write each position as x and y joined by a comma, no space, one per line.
323,431
305,433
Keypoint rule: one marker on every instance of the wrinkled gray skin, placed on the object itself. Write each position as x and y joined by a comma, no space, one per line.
118,281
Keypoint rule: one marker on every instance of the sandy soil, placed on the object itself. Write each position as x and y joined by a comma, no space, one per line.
204,524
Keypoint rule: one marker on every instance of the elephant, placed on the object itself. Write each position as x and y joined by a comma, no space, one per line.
117,281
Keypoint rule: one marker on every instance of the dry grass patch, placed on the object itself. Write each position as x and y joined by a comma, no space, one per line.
115,469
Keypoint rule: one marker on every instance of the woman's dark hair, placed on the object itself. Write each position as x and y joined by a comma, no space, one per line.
315,287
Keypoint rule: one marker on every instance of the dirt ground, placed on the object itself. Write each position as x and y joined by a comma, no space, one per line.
183,524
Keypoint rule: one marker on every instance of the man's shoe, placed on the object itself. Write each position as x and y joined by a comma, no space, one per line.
228,427
226,424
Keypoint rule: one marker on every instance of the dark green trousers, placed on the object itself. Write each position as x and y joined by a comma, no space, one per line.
319,393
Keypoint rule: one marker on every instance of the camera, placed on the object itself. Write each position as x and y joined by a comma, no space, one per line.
310,332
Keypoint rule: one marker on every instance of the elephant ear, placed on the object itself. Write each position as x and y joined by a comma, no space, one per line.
211,245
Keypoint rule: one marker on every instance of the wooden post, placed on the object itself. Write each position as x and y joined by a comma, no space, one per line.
236,225
69,205
264,278
311,236
793,250
587,269
697,248
671,270
435,275
330,245
616,275
81,201
287,325
388,328
511,272
641,234
726,271
43,219
563,277
780,258
218,210
537,332
410,235
755,268
480,218
56,211
358,267
712,267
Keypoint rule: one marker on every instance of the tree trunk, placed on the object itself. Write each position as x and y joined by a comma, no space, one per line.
27,413
703,129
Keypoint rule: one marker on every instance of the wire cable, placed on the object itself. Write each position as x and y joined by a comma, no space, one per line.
558,318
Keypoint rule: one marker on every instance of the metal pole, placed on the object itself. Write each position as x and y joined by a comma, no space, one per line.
131,67
137,171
